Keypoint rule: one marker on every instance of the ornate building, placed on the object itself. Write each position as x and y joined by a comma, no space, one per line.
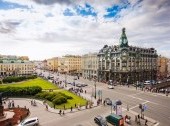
127,64
89,65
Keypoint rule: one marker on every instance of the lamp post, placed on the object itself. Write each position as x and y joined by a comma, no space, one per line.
65,79
95,87
74,82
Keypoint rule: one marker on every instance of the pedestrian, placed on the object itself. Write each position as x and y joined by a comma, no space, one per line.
60,111
85,91
46,107
71,108
104,102
146,121
127,107
63,112
75,105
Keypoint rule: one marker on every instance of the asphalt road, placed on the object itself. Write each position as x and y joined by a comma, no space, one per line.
158,105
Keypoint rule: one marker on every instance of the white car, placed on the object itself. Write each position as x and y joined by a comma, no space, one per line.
110,86
30,122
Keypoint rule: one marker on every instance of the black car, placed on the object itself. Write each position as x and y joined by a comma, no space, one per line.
108,101
100,121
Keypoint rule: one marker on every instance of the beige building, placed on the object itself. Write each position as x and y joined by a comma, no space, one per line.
168,68
70,64
12,65
62,68
89,65
52,64
162,64
23,58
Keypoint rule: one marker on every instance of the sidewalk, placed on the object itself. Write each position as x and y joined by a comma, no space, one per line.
132,114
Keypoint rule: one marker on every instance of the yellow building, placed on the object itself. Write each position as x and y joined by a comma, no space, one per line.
52,64
72,64
14,66
62,68
23,58
162,64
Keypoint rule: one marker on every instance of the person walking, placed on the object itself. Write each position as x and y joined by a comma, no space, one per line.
46,107
71,108
60,111
146,121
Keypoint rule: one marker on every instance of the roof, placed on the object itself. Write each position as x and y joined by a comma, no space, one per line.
114,116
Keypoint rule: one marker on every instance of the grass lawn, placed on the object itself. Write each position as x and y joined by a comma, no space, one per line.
33,82
71,102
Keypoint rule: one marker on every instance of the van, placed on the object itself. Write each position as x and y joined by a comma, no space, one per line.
115,120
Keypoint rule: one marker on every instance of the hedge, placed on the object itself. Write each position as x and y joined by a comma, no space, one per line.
56,98
21,91
18,79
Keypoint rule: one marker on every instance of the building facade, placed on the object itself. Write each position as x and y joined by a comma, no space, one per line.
62,66
52,64
127,64
162,67
72,64
168,68
89,65
13,66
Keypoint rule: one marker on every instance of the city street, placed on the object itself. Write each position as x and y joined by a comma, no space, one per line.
157,104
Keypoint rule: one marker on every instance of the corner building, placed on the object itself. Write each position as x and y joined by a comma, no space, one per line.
127,64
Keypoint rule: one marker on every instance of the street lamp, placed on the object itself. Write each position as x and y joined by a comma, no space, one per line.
95,87
65,79
74,82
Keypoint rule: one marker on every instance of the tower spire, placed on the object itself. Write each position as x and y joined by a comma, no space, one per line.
123,39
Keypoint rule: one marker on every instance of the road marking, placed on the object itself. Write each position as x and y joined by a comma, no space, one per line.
136,94
156,124
138,105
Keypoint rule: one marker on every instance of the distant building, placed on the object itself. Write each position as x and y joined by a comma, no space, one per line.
89,65
162,69
62,66
52,64
127,64
72,64
23,58
12,65
168,68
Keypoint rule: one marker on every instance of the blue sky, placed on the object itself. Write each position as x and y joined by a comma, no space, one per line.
67,27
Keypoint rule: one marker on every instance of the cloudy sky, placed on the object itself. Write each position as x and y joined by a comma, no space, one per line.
42,29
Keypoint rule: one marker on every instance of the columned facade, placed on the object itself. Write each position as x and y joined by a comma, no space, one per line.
127,64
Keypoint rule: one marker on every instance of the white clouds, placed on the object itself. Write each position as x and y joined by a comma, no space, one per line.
40,36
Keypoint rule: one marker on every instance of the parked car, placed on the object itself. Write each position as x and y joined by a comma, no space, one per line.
147,82
110,87
100,120
30,122
79,85
108,101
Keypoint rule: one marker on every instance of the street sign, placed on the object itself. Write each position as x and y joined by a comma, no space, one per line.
145,107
